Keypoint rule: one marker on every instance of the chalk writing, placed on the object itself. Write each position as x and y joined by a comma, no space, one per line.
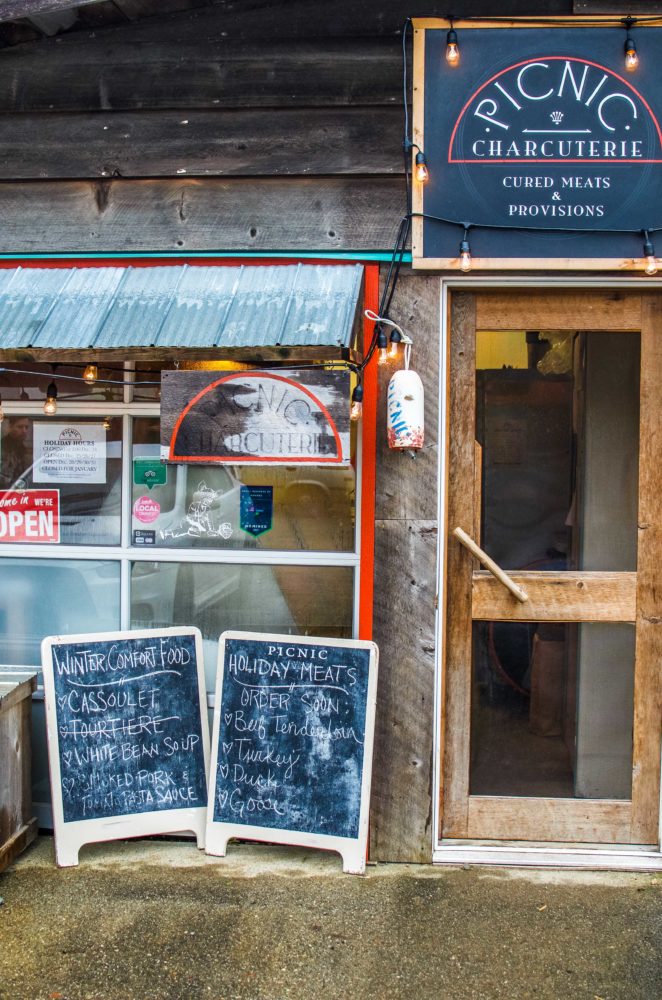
128,723
291,736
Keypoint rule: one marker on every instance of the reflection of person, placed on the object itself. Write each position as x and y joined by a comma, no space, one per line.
14,453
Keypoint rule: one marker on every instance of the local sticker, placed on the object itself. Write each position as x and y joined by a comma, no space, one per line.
146,510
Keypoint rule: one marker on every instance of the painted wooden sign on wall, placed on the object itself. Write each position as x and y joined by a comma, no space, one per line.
292,744
542,150
292,417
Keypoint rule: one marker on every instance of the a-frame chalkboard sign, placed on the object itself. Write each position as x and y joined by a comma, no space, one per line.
128,736
292,743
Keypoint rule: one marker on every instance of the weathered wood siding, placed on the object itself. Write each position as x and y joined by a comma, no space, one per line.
405,589
225,127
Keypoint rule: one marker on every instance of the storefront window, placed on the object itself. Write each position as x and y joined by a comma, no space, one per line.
315,600
203,506
41,597
80,458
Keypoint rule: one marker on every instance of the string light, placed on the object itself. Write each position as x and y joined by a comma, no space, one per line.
387,349
90,374
50,405
649,254
356,409
465,252
631,57
382,346
421,168
394,343
452,47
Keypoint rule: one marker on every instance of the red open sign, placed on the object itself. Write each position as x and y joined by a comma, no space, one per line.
30,516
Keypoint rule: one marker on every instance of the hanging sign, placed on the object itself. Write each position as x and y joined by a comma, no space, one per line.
69,453
128,740
30,516
540,143
292,743
291,417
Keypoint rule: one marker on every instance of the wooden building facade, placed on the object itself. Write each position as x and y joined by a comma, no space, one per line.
152,132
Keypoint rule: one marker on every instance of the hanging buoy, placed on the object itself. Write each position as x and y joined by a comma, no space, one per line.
405,410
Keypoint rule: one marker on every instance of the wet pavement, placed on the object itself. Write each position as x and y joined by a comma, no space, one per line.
158,920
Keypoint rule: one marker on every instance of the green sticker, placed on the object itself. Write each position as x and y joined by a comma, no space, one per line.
149,472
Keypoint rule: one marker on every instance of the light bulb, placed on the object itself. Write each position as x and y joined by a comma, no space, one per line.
631,57
394,344
421,169
90,374
2,412
50,406
649,254
382,346
356,409
106,423
452,48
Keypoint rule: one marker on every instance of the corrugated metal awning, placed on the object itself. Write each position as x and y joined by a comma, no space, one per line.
311,305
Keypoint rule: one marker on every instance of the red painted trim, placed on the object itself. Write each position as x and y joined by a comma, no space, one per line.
587,62
368,467
276,378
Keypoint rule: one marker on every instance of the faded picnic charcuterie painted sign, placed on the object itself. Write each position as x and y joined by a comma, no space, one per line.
269,417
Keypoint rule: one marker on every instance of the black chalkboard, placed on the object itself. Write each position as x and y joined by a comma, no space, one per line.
127,734
292,735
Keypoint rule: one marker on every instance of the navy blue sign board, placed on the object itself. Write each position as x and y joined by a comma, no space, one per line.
128,736
538,130
292,743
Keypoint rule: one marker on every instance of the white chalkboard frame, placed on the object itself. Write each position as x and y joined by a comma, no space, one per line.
353,851
71,836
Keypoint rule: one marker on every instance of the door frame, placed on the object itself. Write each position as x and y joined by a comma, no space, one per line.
504,852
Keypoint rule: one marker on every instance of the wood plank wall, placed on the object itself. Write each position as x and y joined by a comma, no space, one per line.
202,130
405,588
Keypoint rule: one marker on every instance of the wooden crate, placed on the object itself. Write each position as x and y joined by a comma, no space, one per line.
18,827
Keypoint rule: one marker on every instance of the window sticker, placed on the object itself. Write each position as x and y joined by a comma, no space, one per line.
69,453
149,472
146,510
30,516
144,537
256,513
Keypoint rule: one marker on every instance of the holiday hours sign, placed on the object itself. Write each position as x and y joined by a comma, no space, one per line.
541,144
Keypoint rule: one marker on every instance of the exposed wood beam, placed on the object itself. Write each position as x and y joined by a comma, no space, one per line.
201,143
11,10
206,214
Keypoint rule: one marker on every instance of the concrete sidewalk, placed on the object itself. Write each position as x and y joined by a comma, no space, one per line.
157,920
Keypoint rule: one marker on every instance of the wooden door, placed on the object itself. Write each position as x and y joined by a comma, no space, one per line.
552,708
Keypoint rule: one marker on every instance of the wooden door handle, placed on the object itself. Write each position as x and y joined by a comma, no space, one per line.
489,564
